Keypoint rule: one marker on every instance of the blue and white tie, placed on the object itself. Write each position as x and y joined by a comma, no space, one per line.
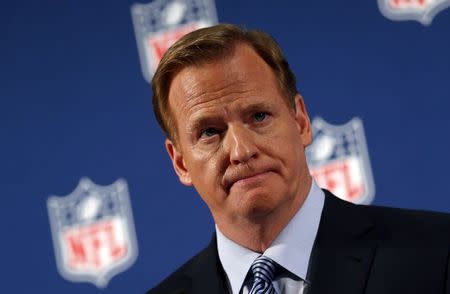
263,270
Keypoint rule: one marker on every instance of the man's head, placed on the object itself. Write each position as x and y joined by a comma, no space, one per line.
241,129
211,44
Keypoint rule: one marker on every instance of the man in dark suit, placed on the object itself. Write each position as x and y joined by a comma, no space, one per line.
237,130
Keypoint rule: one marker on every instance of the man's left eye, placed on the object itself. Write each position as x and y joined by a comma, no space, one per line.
260,116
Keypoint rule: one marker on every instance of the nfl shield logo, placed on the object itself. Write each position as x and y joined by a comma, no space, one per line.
159,24
93,232
420,10
338,160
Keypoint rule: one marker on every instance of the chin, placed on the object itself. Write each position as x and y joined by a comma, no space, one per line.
257,205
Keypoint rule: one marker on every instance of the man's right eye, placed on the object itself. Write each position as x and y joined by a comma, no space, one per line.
209,132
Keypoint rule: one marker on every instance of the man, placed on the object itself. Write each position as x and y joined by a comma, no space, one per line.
237,130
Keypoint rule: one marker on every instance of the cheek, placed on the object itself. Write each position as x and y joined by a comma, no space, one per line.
286,147
206,170
283,137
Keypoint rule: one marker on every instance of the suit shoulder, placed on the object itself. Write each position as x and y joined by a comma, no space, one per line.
412,223
180,280
408,215
396,226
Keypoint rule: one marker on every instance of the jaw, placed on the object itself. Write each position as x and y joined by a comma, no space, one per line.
257,217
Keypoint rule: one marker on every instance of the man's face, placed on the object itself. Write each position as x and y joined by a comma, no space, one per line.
238,143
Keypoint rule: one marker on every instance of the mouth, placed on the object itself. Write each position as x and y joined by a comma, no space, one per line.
251,179
246,179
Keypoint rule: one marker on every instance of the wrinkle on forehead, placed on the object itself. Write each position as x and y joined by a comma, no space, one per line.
201,92
207,88
210,98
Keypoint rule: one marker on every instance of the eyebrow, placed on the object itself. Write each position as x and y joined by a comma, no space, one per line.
201,121
255,107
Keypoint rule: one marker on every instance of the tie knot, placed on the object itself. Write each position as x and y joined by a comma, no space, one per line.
264,268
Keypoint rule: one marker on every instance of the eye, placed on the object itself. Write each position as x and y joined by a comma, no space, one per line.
260,116
209,132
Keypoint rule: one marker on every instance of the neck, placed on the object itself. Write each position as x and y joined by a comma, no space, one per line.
258,232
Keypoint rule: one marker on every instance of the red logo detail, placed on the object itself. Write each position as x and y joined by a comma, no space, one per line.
94,246
407,3
161,43
337,178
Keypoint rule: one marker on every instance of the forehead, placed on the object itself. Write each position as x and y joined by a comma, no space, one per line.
242,74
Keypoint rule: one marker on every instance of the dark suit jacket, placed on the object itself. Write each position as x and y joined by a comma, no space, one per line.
358,249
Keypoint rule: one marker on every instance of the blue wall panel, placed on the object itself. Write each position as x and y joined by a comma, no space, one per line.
73,103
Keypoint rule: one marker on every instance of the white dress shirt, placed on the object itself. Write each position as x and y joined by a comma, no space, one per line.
291,249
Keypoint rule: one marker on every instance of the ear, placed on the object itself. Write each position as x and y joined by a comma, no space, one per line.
301,116
178,163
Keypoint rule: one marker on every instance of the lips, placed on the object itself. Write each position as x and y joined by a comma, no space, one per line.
243,175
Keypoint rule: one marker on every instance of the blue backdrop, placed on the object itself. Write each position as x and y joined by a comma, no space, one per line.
74,103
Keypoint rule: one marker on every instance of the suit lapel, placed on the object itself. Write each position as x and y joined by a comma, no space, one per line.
343,251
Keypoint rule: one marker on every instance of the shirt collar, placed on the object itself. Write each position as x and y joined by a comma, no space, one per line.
291,248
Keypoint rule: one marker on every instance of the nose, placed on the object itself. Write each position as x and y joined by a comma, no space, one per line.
240,143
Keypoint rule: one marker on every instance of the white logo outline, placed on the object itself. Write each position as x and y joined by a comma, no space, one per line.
320,126
53,204
425,16
148,22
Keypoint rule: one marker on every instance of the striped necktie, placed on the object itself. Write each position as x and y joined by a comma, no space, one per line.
263,270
